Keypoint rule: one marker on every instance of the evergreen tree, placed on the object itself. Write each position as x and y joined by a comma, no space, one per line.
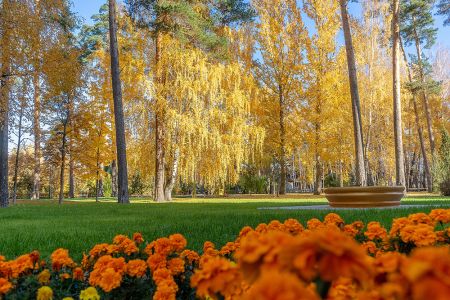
444,9
417,27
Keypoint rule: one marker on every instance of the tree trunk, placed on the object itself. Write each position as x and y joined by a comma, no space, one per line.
173,177
114,178
71,175
50,183
360,172
419,129
159,131
97,178
424,94
282,189
399,158
63,164
118,108
37,138
4,104
16,163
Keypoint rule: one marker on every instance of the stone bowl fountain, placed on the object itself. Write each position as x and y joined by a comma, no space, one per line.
371,196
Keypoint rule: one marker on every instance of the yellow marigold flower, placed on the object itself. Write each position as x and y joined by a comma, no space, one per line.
44,277
5,286
89,294
67,298
440,215
60,259
334,219
136,268
44,293
280,286
176,266
375,231
218,276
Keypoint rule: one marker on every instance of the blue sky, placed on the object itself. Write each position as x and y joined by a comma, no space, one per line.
87,8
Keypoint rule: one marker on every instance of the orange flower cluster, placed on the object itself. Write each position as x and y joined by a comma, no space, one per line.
327,259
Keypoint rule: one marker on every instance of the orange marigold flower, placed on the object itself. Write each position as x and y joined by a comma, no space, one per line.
428,271
261,228
244,231
176,266
421,218
275,225
218,276
229,248
178,242
163,246
328,253
397,225
279,286
110,279
440,215
78,274
5,286
99,250
44,277
420,235
358,225
137,238
370,247
60,259
166,290
333,219
343,288
375,231
156,261
190,256
20,265
107,272
136,268
293,226
64,276
350,230
162,274
388,262
314,224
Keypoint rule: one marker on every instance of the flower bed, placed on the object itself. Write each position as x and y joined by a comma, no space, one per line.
325,260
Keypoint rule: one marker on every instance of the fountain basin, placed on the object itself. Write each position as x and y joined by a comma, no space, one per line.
370,196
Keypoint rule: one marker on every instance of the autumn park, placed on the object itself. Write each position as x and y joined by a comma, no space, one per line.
225,149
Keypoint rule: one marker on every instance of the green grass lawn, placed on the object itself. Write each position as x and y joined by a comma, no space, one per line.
78,225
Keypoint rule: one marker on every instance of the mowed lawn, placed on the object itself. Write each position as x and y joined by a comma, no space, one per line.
79,224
